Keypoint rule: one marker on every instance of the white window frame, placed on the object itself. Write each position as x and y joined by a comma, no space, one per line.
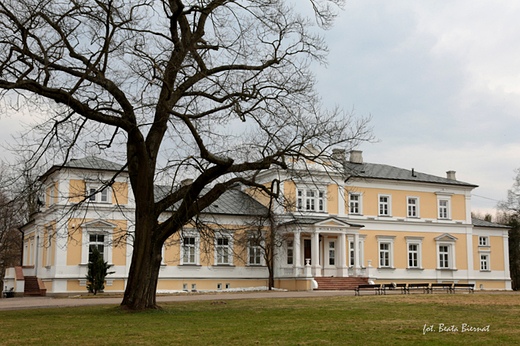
389,240
290,250
257,249
483,240
229,246
97,227
448,241
313,200
99,197
412,208
484,259
388,204
361,250
331,253
357,203
196,247
418,242
441,213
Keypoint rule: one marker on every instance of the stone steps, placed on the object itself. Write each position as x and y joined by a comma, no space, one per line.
33,287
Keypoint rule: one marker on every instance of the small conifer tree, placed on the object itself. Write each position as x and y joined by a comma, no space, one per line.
97,271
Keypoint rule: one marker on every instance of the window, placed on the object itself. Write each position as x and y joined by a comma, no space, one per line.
95,195
352,253
355,204
255,252
413,206
188,250
386,244
446,251
332,253
311,200
96,241
484,262
483,241
290,252
444,256
444,208
384,255
96,234
413,256
223,250
414,245
384,205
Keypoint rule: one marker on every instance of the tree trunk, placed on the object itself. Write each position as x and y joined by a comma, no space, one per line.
144,270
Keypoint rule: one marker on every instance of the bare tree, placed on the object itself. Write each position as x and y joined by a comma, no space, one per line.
214,90
10,237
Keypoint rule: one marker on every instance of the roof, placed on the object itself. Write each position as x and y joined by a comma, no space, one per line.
381,171
93,162
482,223
89,162
231,202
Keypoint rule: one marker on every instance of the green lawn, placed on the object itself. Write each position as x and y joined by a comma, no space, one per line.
366,320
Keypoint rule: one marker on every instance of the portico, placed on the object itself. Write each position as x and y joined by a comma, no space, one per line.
319,247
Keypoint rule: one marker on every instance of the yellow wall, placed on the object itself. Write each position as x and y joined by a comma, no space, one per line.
209,284
290,195
74,242
427,203
490,285
400,254
120,193
48,285
497,253
76,190
49,247
332,199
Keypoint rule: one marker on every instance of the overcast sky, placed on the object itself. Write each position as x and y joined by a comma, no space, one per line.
441,80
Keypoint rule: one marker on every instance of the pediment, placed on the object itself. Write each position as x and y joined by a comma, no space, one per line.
98,224
332,222
446,237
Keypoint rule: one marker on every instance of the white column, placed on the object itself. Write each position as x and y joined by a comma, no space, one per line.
342,256
315,251
356,254
507,274
297,252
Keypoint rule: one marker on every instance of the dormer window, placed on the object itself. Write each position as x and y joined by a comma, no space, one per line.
310,200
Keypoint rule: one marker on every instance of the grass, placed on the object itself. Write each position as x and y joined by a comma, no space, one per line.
366,320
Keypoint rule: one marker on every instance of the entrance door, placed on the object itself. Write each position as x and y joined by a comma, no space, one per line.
306,251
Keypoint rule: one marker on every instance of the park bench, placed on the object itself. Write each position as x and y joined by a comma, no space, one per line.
375,287
441,286
421,286
9,293
469,287
394,286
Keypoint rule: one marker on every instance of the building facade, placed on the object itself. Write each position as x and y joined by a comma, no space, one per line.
367,220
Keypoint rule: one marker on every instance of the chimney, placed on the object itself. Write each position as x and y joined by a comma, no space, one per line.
338,155
451,175
356,156
186,182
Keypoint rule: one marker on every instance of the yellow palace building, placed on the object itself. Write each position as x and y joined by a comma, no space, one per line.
366,221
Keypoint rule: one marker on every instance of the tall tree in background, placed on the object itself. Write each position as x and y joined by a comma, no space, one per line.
511,217
213,90
10,237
